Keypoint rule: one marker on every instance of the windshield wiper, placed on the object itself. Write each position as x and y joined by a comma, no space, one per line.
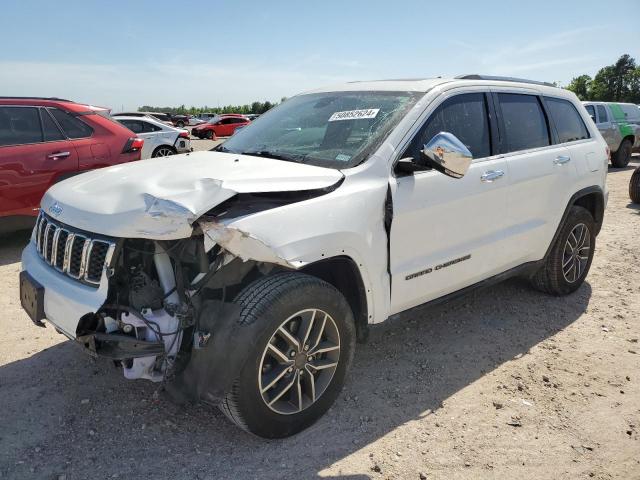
270,154
221,148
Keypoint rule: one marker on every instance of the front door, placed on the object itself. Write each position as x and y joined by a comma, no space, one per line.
448,233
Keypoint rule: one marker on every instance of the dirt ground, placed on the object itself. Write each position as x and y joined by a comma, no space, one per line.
505,383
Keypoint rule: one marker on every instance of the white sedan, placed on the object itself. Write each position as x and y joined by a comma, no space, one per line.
160,140
193,121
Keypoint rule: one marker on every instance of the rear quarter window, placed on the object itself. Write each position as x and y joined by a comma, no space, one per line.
72,126
567,120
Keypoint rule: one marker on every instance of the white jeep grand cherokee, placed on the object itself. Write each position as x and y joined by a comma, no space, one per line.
243,276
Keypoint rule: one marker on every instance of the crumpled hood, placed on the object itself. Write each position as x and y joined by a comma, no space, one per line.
160,198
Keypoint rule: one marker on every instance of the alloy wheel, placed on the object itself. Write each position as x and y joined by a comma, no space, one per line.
164,152
299,361
576,253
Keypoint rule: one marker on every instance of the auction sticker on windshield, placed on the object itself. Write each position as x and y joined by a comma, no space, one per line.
354,114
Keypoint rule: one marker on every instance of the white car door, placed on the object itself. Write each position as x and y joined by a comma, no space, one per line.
448,233
542,173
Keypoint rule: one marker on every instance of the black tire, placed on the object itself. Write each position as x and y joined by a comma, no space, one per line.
180,124
551,278
634,186
271,301
163,151
622,156
209,135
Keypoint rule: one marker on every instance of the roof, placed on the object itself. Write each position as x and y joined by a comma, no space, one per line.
426,84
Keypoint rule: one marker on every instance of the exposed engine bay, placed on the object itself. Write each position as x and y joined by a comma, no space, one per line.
152,319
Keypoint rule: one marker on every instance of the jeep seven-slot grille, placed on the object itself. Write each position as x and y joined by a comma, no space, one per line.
71,252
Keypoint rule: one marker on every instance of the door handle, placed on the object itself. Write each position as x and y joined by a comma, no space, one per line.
58,155
491,175
562,159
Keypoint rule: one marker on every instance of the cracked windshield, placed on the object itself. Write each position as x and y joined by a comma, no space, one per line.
336,129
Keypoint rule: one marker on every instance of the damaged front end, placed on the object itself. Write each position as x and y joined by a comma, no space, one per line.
160,303
169,314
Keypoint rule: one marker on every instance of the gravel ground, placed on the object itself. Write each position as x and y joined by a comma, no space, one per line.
504,383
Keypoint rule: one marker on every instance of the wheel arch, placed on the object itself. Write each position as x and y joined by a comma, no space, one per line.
591,198
164,145
629,137
343,273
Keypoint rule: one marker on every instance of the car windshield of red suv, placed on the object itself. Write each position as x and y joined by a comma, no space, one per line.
332,129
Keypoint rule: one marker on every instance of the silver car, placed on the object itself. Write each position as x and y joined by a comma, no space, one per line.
619,124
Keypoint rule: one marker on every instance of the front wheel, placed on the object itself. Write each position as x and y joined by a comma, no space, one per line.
301,356
569,259
209,135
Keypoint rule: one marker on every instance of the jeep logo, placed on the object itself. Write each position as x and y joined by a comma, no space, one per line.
55,209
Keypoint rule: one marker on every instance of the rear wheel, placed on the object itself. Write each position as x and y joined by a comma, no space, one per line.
209,134
569,260
621,158
298,365
634,186
180,124
163,151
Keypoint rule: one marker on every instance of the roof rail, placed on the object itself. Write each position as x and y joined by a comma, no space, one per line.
502,79
36,98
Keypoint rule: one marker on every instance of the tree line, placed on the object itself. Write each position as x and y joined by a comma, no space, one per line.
255,107
619,82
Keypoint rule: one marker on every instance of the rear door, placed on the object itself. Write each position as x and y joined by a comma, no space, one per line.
92,151
541,170
34,154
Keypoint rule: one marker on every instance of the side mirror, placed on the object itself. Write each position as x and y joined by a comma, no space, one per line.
408,166
447,154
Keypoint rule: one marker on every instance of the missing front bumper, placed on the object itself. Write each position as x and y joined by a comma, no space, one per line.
119,347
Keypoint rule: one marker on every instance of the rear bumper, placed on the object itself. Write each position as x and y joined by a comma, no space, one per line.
66,301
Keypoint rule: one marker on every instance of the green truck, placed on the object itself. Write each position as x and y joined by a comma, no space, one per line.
619,124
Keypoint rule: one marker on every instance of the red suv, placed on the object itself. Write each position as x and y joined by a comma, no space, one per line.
220,126
45,140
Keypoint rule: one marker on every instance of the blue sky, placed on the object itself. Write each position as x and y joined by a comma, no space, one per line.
124,54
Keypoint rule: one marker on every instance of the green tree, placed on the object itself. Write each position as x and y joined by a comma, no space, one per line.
617,82
581,86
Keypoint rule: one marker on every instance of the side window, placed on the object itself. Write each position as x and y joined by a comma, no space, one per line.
602,114
591,111
72,126
19,126
466,117
239,120
567,120
148,127
49,128
134,125
524,121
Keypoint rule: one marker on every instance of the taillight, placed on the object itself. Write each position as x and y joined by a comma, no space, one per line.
184,135
133,144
